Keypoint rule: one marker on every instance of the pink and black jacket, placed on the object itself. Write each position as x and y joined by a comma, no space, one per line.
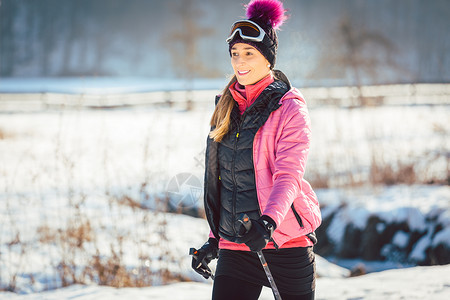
258,168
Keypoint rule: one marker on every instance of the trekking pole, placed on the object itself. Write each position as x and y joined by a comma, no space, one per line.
245,220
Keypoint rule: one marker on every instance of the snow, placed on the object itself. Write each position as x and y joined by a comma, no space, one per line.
418,253
61,169
329,270
336,229
444,218
442,237
411,283
400,239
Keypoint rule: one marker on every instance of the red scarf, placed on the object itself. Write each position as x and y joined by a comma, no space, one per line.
246,95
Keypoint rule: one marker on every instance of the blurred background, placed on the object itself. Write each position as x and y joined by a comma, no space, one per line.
104,113
342,42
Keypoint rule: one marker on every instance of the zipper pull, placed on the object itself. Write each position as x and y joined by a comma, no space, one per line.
237,135
275,244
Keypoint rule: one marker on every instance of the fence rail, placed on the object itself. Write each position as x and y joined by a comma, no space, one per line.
340,96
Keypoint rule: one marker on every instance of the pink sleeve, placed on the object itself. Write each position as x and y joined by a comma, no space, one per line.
291,153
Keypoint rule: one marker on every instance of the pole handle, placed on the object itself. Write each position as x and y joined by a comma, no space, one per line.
246,224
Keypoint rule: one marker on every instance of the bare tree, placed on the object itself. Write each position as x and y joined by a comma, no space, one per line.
182,44
355,53
8,10
183,41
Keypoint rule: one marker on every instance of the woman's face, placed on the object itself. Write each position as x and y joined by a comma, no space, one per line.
249,64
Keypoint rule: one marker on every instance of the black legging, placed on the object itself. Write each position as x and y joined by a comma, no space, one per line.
227,287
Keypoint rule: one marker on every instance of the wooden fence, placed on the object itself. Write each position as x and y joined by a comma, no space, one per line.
407,94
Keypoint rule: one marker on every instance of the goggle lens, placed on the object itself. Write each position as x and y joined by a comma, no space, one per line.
248,29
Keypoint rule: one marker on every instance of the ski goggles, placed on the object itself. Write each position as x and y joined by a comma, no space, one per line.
248,30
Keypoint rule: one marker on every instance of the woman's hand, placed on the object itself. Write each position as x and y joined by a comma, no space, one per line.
260,233
203,256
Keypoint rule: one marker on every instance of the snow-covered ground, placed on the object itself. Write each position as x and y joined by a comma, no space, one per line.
72,183
119,149
413,283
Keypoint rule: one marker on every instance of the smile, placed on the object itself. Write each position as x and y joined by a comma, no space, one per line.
241,73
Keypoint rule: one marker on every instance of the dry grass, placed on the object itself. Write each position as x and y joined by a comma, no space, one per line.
46,234
130,202
3,134
112,272
75,235
75,243
383,173
408,171
318,180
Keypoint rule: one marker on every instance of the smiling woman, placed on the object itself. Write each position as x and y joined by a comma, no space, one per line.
261,211
249,65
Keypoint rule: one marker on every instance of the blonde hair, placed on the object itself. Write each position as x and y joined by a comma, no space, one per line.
221,115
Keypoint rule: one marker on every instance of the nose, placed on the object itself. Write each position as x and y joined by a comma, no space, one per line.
239,61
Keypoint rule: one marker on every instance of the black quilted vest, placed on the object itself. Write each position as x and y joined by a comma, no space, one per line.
235,161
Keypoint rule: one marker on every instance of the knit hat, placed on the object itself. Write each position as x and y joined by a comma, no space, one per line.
269,15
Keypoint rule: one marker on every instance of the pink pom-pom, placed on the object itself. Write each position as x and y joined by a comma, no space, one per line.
269,11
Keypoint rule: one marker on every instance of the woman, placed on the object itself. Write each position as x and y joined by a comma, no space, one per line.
255,161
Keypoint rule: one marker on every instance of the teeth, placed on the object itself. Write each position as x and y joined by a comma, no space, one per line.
243,72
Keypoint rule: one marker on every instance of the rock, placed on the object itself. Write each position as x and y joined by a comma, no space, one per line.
358,270
373,239
439,255
439,251
351,243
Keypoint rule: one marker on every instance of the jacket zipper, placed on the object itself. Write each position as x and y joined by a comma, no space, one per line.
233,174
299,220
297,216
234,181
259,208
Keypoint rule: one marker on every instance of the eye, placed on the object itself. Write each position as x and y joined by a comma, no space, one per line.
234,54
249,53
